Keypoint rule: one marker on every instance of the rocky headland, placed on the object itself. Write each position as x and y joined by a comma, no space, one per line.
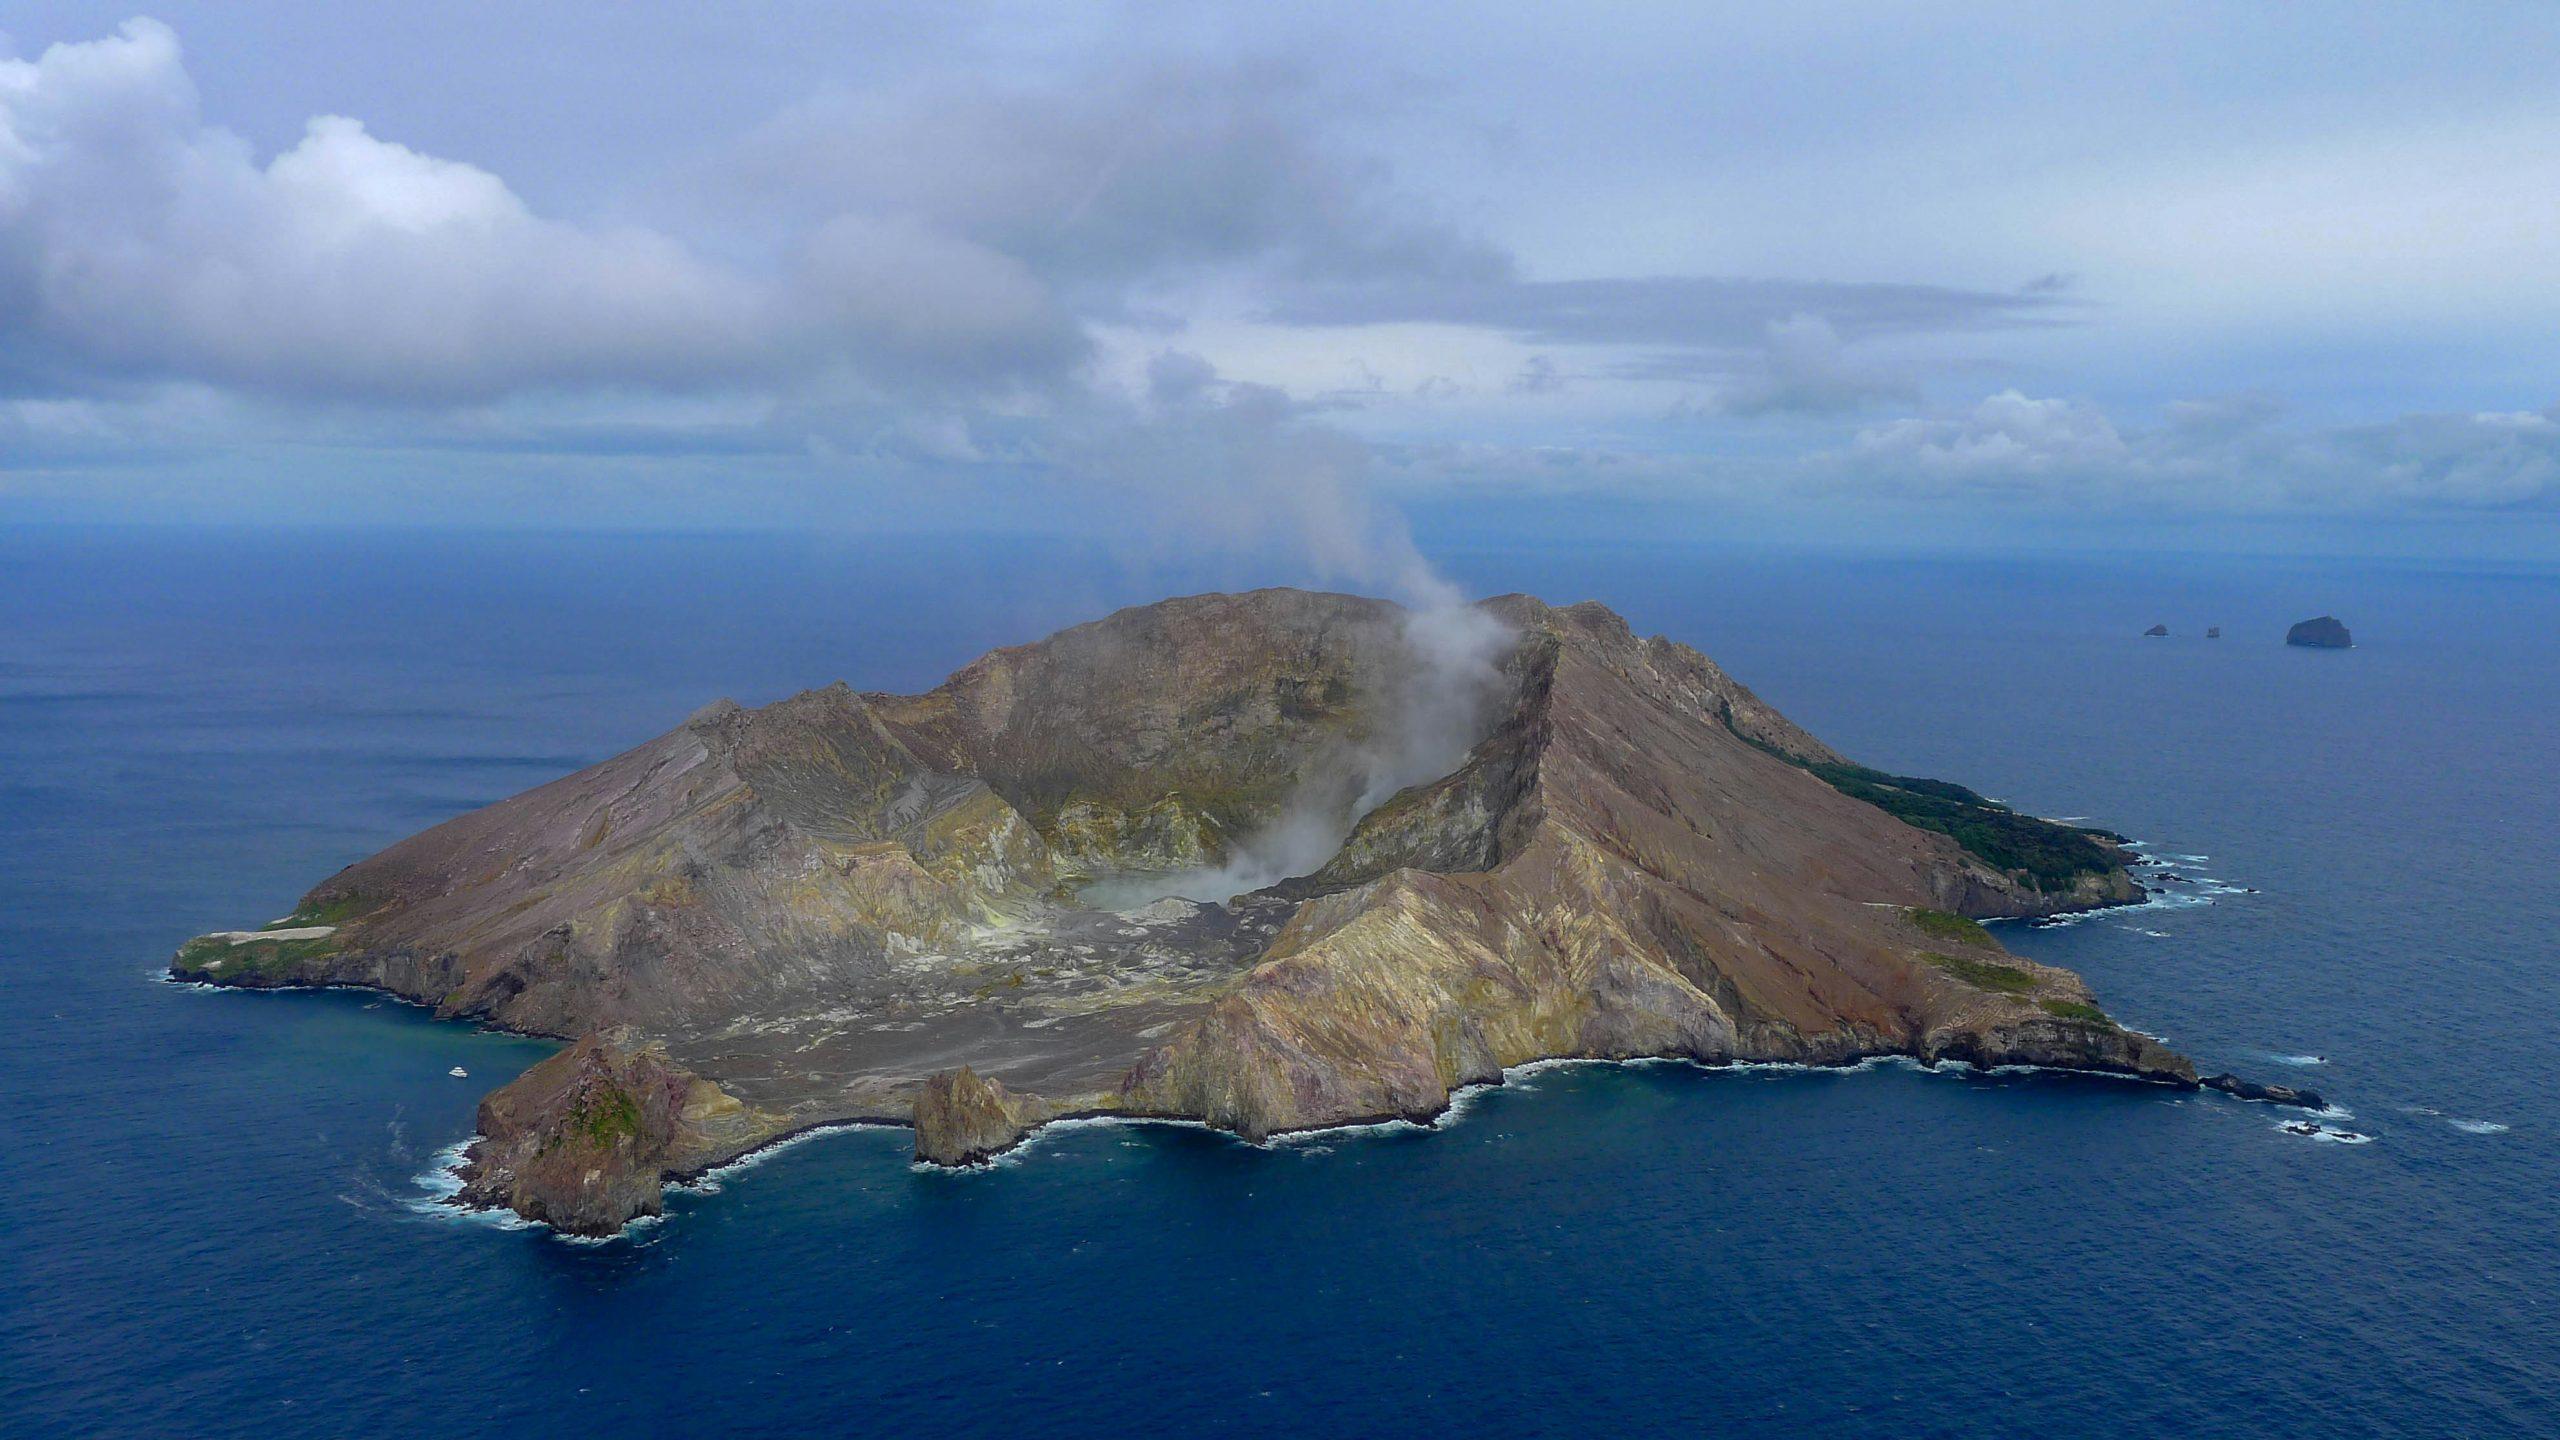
1001,902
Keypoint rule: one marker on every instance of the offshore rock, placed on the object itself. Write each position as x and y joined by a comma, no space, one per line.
2233,1085
585,1140
962,1119
2323,633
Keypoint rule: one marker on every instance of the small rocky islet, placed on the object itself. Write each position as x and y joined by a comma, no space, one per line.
851,906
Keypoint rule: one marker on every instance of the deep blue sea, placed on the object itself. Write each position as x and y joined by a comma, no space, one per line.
213,1223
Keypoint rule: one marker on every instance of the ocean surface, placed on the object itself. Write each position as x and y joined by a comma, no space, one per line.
216,1222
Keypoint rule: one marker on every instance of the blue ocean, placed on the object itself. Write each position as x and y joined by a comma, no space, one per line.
220,1214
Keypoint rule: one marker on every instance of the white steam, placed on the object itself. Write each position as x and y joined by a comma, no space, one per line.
1237,465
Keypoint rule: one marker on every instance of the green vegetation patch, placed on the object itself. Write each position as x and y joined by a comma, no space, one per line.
275,959
1982,974
1948,925
2052,856
605,1116
2076,1010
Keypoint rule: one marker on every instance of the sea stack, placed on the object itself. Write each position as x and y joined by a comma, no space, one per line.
2324,633
2156,632
2213,632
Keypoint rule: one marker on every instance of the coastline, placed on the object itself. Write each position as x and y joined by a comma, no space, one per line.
703,1178
1459,1101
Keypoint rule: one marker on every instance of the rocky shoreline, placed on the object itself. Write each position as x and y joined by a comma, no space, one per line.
1022,1138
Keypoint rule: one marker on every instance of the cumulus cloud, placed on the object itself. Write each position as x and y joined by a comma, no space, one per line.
139,242
961,273
2006,434
942,243
136,241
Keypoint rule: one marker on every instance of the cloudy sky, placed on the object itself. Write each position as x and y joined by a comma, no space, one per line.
2259,262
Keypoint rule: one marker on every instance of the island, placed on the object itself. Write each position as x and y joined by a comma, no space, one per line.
1006,900
2323,633
2156,632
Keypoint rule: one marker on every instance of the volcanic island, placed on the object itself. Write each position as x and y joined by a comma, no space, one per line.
1003,902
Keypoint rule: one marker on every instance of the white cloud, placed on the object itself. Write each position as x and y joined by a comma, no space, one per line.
2006,434
978,267
138,242
2223,453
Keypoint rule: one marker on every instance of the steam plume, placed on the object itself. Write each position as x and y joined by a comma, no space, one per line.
1242,466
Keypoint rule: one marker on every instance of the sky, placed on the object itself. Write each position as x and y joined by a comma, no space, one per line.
2234,273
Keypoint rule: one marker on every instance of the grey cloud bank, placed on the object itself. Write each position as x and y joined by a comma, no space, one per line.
1246,276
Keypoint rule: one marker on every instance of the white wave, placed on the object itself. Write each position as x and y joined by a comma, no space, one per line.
443,1177
709,1181
1290,1139
2309,1131
2479,1127
442,1180
1050,1130
2299,1061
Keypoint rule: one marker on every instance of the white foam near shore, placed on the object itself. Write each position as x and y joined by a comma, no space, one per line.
2317,1125
709,1181
2182,897
2298,1061
1462,1100
2478,1127
1013,1155
443,1180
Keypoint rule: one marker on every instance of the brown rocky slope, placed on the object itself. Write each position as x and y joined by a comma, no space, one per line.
850,906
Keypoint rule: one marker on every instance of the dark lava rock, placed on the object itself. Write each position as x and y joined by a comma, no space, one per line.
2233,1085
2324,633
2156,631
